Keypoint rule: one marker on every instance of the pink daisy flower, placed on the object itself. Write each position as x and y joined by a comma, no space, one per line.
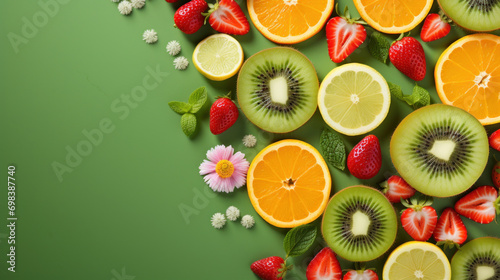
224,170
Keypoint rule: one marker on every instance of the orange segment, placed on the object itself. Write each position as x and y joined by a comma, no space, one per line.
289,21
289,183
393,16
468,76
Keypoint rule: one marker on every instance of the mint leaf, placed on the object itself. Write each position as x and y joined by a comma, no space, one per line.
197,99
378,46
179,107
419,97
299,239
333,149
188,124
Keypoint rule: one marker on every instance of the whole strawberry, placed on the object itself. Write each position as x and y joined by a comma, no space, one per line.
408,56
223,114
365,159
436,26
188,17
495,174
271,268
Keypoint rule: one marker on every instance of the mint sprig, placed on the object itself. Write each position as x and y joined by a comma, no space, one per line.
419,97
197,99
379,46
299,239
333,149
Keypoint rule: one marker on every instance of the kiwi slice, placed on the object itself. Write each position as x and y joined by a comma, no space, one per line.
479,259
277,89
440,150
475,15
359,224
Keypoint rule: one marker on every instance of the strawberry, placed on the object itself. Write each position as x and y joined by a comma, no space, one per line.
324,266
227,17
364,160
188,17
271,268
396,188
436,26
171,1
419,219
223,114
450,230
495,174
344,35
481,205
366,274
408,56
494,140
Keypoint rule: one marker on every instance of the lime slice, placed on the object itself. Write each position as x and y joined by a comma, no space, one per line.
416,260
218,57
354,99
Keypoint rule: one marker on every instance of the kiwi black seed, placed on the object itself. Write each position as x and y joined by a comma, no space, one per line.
475,15
277,89
478,259
359,223
440,150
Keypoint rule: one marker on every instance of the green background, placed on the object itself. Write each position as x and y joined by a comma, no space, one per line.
117,212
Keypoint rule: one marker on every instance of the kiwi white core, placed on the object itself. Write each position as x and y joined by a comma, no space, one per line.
443,149
360,223
484,272
278,88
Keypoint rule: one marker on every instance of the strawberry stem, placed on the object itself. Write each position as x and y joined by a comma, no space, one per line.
347,16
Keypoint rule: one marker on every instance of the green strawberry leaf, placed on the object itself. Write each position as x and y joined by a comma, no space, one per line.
188,124
419,98
333,149
180,107
299,239
378,46
197,99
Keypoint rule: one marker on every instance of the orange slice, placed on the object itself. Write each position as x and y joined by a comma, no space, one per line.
393,16
468,76
289,183
289,21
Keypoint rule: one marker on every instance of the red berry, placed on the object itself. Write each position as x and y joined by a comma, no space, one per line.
435,27
450,229
365,159
366,274
227,17
408,56
324,266
343,35
419,219
495,174
188,17
481,205
494,140
223,114
267,269
171,1
396,188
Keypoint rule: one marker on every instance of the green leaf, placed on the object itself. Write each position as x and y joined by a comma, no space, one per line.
179,107
197,99
378,46
333,149
419,98
299,239
188,124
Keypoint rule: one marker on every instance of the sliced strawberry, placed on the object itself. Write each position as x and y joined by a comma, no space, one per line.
366,274
419,220
324,266
494,140
435,27
450,230
396,188
344,35
227,17
481,205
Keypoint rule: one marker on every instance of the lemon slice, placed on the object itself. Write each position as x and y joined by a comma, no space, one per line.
218,57
354,99
416,260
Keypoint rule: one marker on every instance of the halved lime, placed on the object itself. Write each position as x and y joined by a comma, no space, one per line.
354,99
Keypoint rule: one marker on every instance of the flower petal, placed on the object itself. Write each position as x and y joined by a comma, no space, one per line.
207,167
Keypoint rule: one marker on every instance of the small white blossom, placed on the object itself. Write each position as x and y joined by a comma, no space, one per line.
247,221
150,36
125,7
138,4
115,1
218,220
232,213
249,141
181,63
173,48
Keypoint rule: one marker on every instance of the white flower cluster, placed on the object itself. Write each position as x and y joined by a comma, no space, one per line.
232,214
218,220
249,141
248,221
138,4
173,48
150,36
125,6
181,63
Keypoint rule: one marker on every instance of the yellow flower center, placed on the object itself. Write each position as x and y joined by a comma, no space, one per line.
224,168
